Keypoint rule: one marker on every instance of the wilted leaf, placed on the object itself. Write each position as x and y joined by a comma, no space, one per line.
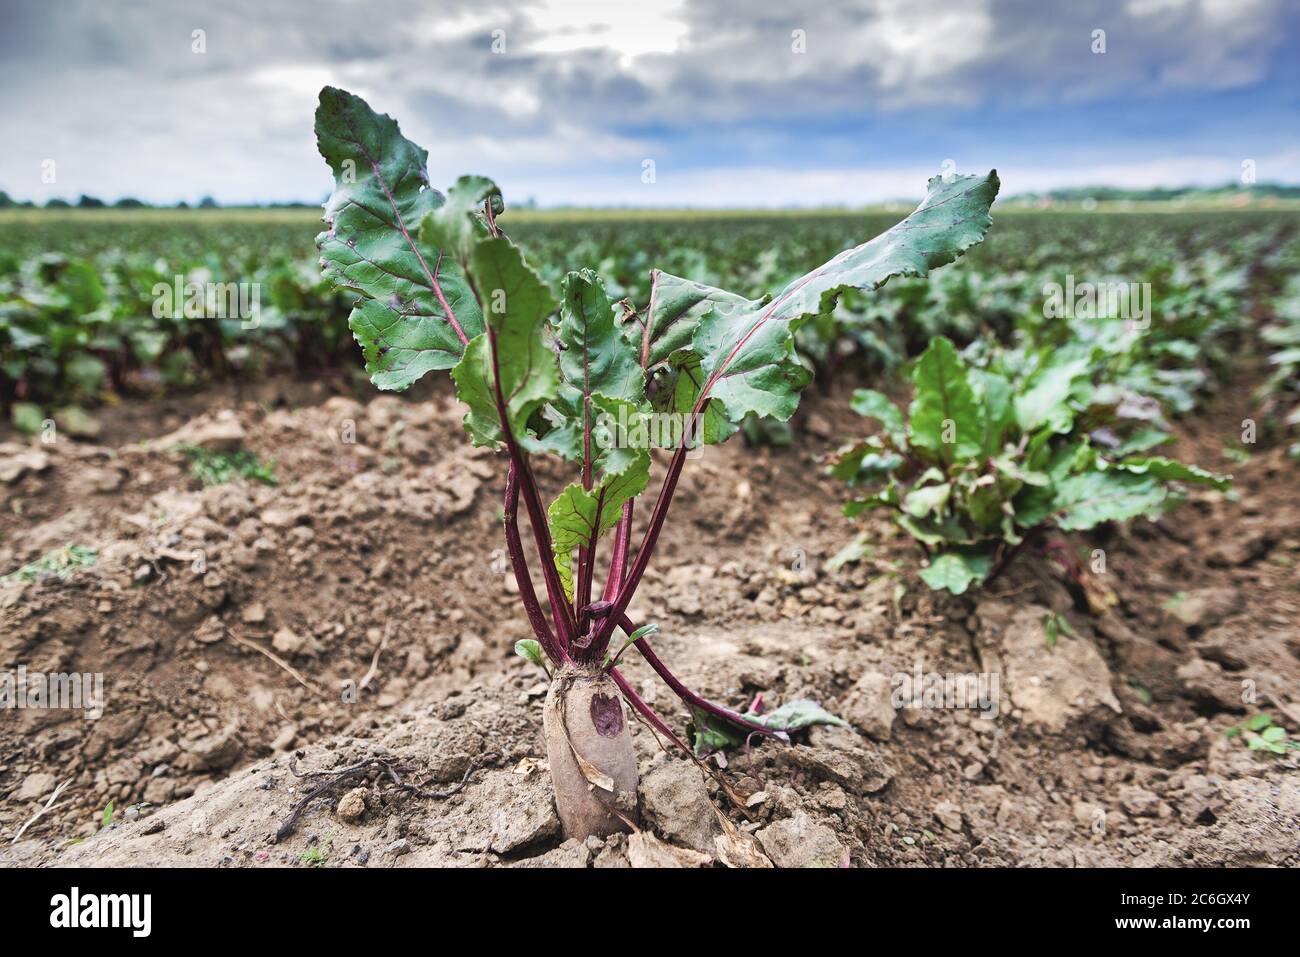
708,732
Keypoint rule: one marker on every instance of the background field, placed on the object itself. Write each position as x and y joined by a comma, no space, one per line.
78,311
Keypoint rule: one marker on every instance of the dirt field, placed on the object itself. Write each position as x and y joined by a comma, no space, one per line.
362,611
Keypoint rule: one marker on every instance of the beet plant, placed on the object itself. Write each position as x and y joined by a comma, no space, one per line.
992,458
440,287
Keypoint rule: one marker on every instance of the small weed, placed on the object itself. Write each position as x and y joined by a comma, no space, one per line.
1263,735
1054,625
1141,690
315,856
60,563
219,468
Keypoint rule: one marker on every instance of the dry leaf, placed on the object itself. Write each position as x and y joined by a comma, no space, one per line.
646,850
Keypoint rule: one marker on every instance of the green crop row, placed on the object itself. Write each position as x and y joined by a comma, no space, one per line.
141,304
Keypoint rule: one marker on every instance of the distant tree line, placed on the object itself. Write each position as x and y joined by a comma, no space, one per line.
1109,193
130,202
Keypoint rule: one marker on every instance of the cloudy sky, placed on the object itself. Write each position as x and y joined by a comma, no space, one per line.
736,102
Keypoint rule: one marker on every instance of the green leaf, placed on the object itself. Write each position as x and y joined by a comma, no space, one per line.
1044,399
682,381
864,464
76,421
1142,440
106,818
411,301
1259,722
530,650
747,350
876,405
645,631
932,530
455,225
1168,470
856,550
598,368
886,498
676,307
957,569
1054,625
1273,733
708,733
984,501
1261,744
27,417
620,435
750,364
1085,501
516,304
995,393
576,512
86,372
931,498
946,419
595,357
81,285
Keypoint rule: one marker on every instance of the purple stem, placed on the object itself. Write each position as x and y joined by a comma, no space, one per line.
587,562
686,694
560,609
527,594
633,579
618,558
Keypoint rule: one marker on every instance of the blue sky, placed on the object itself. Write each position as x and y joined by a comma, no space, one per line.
758,103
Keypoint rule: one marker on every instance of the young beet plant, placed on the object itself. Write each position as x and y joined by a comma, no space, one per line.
441,287
993,458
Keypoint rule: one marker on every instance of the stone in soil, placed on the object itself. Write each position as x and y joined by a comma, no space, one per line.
798,841
1052,687
677,804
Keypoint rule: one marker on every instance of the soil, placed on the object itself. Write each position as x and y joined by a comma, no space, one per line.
361,612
